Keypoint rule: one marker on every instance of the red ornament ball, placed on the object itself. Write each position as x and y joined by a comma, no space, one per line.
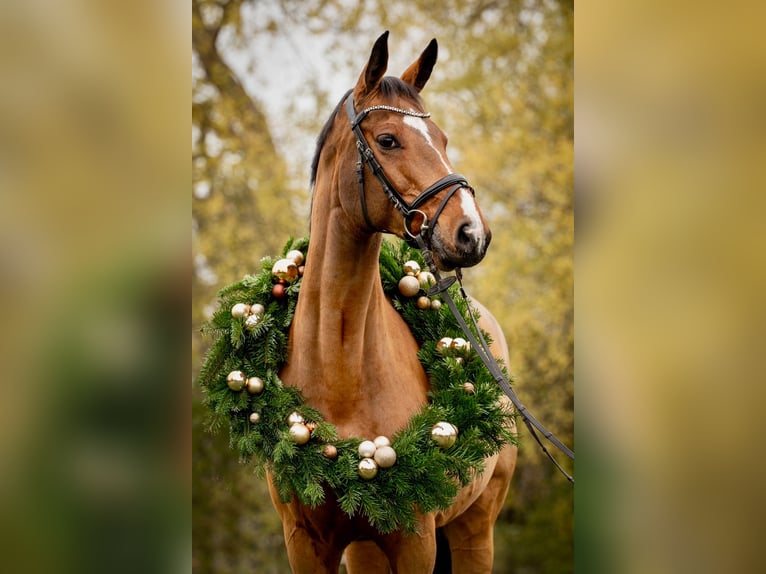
278,290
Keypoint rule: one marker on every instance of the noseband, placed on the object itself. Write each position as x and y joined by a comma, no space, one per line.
451,182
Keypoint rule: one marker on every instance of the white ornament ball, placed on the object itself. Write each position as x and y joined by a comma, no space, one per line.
444,434
295,256
409,286
252,321
385,456
299,433
381,441
411,268
295,418
257,309
436,304
427,280
469,387
254,385
459,344
367,449
236,380
240,310
368,468
255,418
285,269
443,345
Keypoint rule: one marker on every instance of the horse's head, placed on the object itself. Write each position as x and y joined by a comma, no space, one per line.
407,185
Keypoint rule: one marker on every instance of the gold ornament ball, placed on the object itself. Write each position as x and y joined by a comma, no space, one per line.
367,449
295,256
426,279
330,451
278,291
381,441
255,418
459,345
299,433
385,456
295,418
444,434
236,380
443,345
368,468
436,304
252,321
411,268
254,385
257,309
423,303
285,269
301,270
240,310
469,388
409,286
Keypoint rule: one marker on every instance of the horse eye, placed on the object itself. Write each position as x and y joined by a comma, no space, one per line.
387,141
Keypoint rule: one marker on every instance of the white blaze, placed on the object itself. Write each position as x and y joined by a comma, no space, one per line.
420,126
468,203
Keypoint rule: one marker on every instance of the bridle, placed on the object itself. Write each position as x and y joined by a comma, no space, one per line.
420,238
410,211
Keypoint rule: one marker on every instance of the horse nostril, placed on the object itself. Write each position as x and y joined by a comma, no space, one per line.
466,239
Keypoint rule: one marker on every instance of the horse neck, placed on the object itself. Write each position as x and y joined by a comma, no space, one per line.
347,344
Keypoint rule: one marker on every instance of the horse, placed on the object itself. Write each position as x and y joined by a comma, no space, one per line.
350,353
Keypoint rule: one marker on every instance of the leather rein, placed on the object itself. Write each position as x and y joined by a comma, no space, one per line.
420,238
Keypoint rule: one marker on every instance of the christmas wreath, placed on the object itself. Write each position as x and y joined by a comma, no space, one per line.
421,467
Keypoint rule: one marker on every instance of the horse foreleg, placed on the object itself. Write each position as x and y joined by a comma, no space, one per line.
306,556
366,558
470,535
414,553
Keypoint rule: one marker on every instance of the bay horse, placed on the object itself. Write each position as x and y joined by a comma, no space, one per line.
350,353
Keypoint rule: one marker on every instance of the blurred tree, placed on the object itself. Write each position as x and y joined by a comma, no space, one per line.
503,90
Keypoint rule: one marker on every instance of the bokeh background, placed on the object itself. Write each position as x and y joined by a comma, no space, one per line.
95,267
266,75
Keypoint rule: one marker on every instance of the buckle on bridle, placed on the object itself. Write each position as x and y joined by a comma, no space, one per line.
422,227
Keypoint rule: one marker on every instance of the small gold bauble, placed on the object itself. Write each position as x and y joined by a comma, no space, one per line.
381,441
459,345
443,345
368,468
240,310
299,433
411,268
311,426
423,303
295,418
301,270
366,448
255,418
385,456
409,286
257,309
236,380
469,388
436,304
252,321
330,451
254,385
285,269
444,434
427,280
295,256
459,360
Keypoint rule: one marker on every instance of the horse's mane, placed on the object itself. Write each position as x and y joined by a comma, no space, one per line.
389,86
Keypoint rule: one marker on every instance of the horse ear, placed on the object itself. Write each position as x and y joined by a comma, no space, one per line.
375,68
418,73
